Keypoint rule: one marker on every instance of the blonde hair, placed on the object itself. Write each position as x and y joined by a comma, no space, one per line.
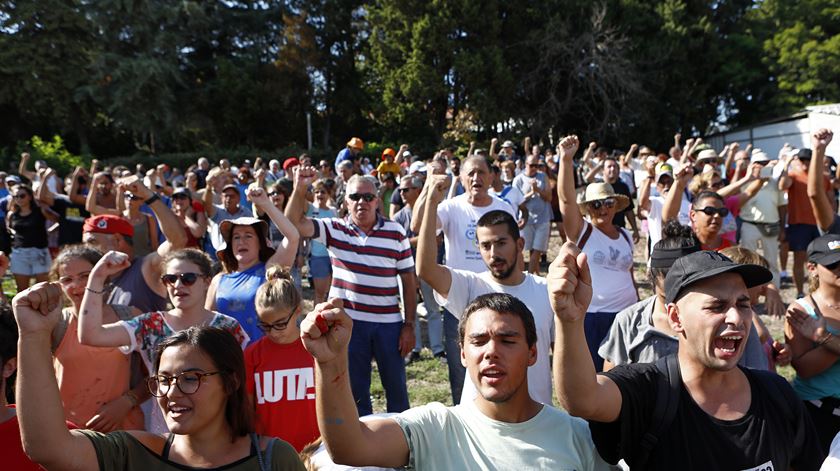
744,256
278,291
702,182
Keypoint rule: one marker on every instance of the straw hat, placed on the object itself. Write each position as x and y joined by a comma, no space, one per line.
600,191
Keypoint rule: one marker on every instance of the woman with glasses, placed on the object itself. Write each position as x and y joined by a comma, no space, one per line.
186,275
26,222
94,382
284,402
198,380
609,248
246,256
712,215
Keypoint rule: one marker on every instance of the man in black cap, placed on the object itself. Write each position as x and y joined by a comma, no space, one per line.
695,410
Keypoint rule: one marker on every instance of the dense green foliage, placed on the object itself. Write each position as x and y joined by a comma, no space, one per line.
115,77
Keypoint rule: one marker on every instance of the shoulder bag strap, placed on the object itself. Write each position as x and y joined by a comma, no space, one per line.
585,237
665,409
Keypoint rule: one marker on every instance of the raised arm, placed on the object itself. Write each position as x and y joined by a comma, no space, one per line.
296,207
22,170
673,201
75,196
644,190
588,153
40,413
820,203
572,219
380,442
493,153
90,203
168,221
207,198
580,390
91,330
43,194
735,186
437,276
419,207
286,252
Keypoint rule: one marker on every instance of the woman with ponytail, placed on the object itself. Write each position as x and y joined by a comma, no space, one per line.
280,372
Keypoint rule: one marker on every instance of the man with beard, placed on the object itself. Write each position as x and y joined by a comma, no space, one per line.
456,218
500,245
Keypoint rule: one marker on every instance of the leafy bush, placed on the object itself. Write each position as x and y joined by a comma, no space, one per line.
55,154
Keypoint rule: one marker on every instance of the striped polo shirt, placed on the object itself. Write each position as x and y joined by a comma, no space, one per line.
366,266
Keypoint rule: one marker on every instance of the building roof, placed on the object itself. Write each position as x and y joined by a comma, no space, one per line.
832,108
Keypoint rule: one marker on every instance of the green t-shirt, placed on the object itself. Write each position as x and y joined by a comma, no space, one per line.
120,450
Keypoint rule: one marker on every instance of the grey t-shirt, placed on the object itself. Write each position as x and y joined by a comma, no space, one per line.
539,210
633,339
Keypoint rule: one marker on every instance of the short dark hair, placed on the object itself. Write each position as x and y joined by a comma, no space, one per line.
502,303
707,194
226,354
674,236
228,259
497,217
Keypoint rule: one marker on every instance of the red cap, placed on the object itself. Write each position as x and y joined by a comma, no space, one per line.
108,224
290,162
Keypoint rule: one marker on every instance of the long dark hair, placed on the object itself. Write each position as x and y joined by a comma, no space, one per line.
226,354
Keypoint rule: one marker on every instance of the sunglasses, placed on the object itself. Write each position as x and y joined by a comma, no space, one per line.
607,203
362,196
279,325
710,211
187,279
403,190
833,267
129,196
20,196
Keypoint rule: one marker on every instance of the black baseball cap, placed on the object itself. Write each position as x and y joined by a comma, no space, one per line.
825,250
804,154
706,264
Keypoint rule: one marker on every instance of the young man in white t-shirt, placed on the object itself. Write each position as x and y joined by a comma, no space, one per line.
503,428
456,219
500,245
651,206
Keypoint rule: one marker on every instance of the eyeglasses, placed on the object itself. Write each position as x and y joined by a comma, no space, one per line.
403,190
187,382
362,196
711,211
187,279
273,194
279,325
607,203
20,196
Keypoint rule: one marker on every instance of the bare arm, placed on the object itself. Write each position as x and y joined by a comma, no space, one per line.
809,359
210,301
90,203
296,207
820,202
22,171
91,329
285,254
43,431
579,390
572,219
44,195
437,276
207,199
75,196
197,227
378,442
673,201
590,175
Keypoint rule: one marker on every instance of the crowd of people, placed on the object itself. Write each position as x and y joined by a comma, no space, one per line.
166,326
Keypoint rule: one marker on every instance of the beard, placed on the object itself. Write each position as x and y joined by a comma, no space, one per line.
504,272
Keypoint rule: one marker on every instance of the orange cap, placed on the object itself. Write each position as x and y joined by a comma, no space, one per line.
356,143
388,151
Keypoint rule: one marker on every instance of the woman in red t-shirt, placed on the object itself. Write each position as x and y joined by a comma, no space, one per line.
280,372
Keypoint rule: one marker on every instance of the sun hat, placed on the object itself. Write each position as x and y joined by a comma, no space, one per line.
759,155
507,144
600,191
356,143
226,229
706,264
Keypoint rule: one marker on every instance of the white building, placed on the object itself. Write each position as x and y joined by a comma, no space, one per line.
794,129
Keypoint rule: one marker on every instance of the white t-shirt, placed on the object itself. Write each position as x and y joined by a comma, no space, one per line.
461,438
458,220
655,217
610,261
533,291
832,462
511,195
764,206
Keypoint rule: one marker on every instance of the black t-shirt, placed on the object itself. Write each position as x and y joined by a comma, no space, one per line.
71,218
766,438
621,188
29,230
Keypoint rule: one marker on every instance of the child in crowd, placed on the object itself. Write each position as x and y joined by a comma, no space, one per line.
279,371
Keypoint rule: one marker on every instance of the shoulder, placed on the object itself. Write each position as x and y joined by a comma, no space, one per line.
634,376
433,413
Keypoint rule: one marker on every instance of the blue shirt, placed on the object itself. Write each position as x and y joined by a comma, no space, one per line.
235,297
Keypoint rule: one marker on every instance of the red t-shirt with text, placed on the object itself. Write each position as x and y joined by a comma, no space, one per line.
281,381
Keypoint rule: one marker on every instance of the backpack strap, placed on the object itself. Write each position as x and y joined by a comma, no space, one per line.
623,233
585,237
664,411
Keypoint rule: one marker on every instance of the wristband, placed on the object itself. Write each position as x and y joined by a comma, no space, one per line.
152,199
131,397
87,288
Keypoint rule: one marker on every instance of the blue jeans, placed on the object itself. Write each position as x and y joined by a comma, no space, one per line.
433,322
380,341
457,372
596,326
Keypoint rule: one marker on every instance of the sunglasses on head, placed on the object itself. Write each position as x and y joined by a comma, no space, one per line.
362,196
711,211
607,203
187,279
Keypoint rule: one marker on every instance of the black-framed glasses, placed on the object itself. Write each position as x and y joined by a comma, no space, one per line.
279,325
362,196
607,203
187,279
187,382
403,190
273,194
711,211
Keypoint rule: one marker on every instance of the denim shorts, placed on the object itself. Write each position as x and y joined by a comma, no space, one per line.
30,261
320,267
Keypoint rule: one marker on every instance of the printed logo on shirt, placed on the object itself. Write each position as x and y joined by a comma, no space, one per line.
295,384
768,466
